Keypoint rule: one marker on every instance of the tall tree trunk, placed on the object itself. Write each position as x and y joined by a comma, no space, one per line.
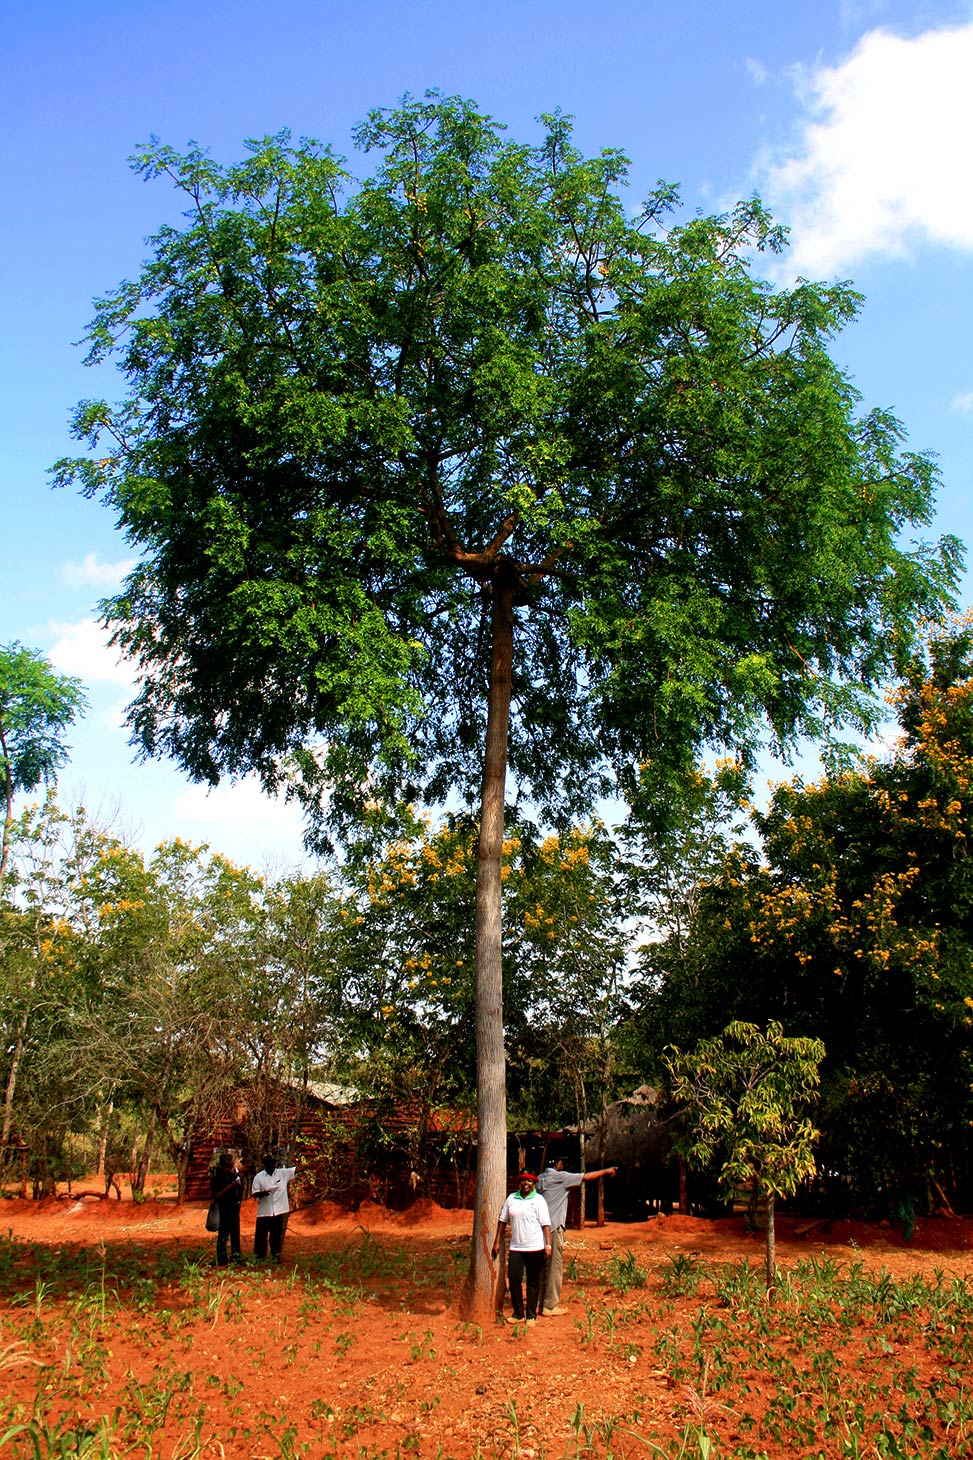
600,1211
482,1294
106,1116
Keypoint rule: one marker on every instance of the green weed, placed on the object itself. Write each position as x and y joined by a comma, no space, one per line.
625,1273
683,1275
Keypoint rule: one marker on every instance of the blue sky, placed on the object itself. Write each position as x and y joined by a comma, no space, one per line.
853,120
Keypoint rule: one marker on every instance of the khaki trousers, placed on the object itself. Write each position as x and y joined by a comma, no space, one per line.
555,1270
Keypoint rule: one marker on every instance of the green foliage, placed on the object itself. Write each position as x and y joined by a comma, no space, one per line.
405,947
626,1273
855,928
683,1275
149,988
357,408
37,707
137,992
568,914
746,1095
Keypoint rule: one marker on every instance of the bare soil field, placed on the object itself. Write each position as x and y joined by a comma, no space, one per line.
119,1336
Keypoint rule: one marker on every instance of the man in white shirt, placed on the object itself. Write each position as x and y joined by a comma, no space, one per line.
269,1186
529,1221
554,1185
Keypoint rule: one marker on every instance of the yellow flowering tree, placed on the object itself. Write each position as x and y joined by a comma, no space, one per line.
857,926
408,1008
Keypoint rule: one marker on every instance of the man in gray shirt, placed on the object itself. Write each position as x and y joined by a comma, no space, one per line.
554,1185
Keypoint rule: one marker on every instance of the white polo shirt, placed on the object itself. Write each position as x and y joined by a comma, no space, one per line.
527,1216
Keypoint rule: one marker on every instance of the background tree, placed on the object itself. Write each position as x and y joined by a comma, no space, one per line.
676,842
856,926
463,467
176,938
283,998
46,975
36,708
675,847
407,945
570,908
747,1095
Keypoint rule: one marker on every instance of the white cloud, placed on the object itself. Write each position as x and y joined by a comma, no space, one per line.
854,13
881,163
82,649
239,815
94,572
758,72
962,402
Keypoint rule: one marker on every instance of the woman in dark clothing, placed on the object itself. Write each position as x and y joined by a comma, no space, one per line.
226,1187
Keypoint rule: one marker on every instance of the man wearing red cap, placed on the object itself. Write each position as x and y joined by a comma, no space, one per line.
526,1214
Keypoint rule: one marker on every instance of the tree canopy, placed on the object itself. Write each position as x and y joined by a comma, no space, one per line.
464,465
36,708
354,407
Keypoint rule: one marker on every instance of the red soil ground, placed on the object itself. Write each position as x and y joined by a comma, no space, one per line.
397,1372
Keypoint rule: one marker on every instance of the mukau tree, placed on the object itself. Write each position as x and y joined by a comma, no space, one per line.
464,468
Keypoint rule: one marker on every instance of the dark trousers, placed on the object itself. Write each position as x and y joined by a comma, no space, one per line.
268,1229
229,1232
517,1264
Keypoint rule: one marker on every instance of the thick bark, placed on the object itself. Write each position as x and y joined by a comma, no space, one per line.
44,1182
103,1139
482,1294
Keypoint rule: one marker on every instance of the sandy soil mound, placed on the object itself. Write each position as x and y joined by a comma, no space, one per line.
424,1212
319,1214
